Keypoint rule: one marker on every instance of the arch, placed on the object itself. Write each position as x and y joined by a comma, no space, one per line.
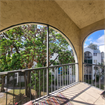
67,39
90,34
85,32
95,57
88,54
86,38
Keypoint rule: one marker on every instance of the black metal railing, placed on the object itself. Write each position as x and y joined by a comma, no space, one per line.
94,74
29,84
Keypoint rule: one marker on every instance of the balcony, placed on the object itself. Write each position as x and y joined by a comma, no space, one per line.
51,85
75,21
76,94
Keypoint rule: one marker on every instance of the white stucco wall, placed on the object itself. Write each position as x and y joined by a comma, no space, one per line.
97,58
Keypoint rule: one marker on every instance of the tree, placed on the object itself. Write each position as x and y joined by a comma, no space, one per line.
21,46
93,46
58,44
8,59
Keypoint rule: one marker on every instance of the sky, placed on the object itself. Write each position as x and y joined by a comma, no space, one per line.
98,38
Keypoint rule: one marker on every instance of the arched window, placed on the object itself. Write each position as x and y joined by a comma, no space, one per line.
94,58
33,45
37,57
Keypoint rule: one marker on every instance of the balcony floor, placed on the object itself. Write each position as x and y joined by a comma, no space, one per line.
80,94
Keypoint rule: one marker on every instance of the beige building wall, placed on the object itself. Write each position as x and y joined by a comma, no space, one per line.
14,12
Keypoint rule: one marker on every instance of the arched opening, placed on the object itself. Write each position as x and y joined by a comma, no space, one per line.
65,41
94,58
37,57
87,57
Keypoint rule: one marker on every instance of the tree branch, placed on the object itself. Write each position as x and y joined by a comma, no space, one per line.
54,60
13,43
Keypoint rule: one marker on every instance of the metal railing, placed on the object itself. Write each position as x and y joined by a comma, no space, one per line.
94,74
29,84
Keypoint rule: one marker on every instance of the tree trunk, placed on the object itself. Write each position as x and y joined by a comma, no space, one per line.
2,85
27,81
39,87
38,94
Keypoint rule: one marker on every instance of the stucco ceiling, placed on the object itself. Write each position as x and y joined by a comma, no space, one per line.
83,12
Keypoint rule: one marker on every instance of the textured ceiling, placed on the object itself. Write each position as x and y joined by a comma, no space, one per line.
83,12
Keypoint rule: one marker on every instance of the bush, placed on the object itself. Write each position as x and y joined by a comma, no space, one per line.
88,81
97,78
101,86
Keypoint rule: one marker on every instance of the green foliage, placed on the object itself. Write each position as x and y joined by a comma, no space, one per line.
93,46
21,46
65,57
101,86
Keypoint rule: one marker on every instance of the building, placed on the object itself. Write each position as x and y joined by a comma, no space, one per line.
92,57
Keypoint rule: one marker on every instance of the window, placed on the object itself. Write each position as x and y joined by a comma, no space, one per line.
95,54
95,61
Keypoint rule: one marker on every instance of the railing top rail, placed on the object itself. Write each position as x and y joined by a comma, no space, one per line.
23,70
63,65
93,64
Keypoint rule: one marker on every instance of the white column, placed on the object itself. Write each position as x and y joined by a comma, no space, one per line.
76,73
17,78
70,71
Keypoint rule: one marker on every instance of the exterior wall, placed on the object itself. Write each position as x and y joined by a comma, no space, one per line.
18,11
88,49
14,12
97,58
86,31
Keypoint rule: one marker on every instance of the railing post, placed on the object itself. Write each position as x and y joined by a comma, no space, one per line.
13,86
104,78
88,73
99,78
92,76
20,86
47,60
30,85
6,89
25,83
76,73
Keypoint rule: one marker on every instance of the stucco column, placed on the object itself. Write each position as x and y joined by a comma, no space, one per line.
80,63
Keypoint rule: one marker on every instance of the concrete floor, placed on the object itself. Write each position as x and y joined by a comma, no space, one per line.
80,94
84,94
